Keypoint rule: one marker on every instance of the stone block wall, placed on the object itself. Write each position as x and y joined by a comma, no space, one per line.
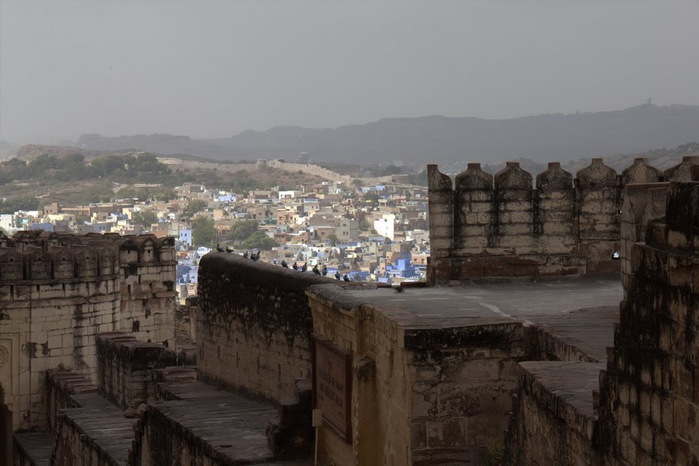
650,392
253,325
148,288
550,425
644,408
57,291
419,395
74,446
61,388
507,226
461,384
125,374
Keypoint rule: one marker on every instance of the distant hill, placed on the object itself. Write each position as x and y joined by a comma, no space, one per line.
551,137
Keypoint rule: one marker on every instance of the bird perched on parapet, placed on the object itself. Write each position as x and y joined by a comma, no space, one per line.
316,270
347,278
246,255
295,266
338,276
304,267
325,270
229,249
219,248
255,255
399,289
284,264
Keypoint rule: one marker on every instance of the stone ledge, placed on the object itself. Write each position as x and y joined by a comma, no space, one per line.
101,428
565,389
218,425
33,448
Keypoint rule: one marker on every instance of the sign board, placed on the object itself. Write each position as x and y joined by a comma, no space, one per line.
332,386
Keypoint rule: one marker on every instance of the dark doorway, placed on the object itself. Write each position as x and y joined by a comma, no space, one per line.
5,432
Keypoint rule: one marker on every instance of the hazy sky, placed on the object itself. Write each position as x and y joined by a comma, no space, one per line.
215,68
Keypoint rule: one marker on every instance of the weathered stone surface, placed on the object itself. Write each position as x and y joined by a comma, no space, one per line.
684,171
445,359
58,290
645,409
640,172
254,326
490,221
204,425
32,449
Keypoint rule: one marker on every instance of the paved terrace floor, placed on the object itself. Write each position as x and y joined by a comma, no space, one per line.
581,312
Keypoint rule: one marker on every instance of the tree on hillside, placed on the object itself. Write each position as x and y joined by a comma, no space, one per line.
241,230
203,231
193,207
259,240
145,218
13,204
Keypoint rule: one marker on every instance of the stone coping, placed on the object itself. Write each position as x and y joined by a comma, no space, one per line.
103,425
35,446
566,389
229,428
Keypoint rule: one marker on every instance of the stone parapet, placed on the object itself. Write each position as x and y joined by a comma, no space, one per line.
57,291
254,325
125,374
501,226
554,418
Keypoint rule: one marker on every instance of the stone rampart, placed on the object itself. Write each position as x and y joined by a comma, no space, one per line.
512,224
254,325
644,408
434,395
125,374
650,391
57,291
307,168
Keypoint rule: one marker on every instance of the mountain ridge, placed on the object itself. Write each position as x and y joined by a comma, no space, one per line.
438,138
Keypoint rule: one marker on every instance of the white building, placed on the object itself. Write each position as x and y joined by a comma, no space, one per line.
384,226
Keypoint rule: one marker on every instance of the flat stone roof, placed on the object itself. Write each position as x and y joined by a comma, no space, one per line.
579,311
527,302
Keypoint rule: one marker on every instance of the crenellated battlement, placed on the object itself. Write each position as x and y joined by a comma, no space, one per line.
58,291
515,224
41,257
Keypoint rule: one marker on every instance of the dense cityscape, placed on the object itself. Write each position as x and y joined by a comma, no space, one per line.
371,229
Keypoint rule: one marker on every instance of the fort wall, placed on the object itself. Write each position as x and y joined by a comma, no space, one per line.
125,369
642,406
419,395
57,291
513,224
649,406
254,325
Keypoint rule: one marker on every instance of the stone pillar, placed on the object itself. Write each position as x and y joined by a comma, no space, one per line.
475,218
515,208
599,205
555,222
441,213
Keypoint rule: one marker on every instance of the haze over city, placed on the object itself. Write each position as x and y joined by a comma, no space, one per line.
214,69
